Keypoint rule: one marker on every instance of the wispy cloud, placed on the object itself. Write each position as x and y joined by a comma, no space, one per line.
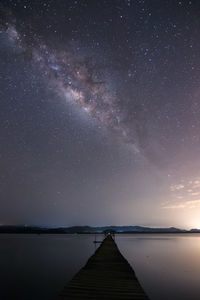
195,193
183,204
184,194
176,187
175,206
196,184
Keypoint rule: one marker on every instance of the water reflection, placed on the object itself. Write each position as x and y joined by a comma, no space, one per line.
37,267
168,266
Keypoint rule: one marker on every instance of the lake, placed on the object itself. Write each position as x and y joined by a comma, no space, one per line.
38,266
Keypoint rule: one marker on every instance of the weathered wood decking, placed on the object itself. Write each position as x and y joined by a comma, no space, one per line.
107,275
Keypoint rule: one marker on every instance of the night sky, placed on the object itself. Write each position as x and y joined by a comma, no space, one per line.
100,112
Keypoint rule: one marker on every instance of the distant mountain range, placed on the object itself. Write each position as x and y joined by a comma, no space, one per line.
88,229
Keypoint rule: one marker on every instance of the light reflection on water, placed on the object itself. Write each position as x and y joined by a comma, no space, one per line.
37,267
167,266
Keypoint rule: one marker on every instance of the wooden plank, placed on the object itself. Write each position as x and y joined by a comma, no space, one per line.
106,275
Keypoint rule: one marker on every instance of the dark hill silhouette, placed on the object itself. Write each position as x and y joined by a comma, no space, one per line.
89,229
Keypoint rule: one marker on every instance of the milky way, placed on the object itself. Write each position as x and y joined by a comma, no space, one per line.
80,80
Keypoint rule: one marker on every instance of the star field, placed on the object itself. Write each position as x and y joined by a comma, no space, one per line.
99,109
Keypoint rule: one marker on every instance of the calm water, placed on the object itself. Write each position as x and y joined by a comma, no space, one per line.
37,267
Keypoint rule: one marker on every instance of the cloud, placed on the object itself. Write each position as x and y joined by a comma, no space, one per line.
184,204
183,195
192,187
196,184
175,206
195,193
176,187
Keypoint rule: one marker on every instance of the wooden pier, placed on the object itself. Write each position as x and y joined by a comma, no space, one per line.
106,275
